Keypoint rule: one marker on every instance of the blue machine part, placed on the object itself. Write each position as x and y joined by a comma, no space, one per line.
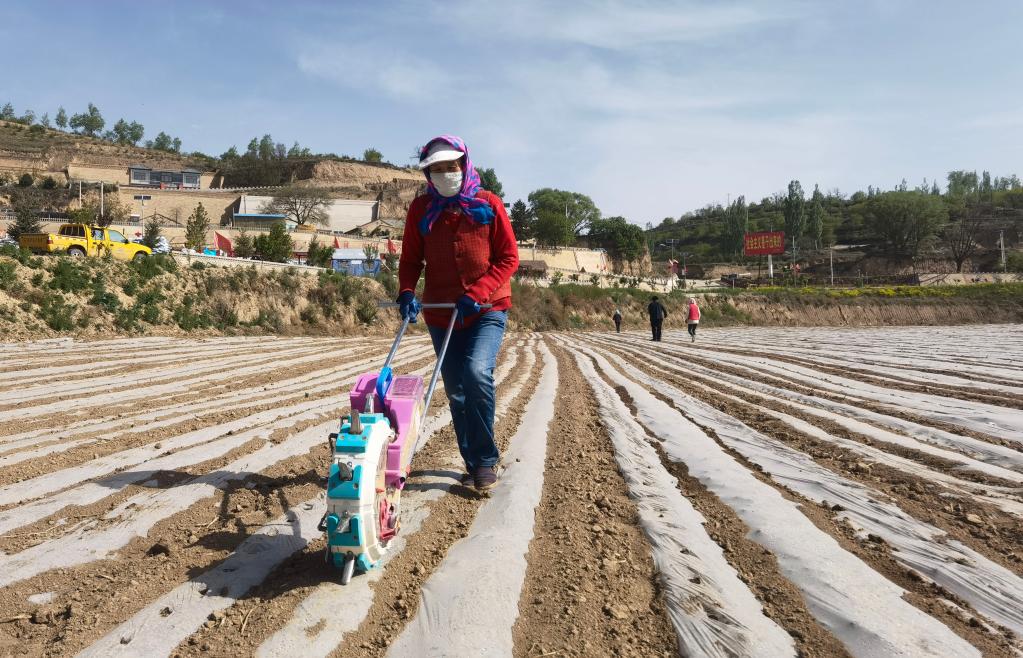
351,536
345,489
348,442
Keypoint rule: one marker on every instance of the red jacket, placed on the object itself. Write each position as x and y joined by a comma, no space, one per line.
461,258
694,313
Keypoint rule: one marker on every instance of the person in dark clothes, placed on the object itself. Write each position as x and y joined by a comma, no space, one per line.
657,314
617,317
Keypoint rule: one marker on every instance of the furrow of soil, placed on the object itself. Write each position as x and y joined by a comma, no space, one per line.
190,423
890,381
90,599
926,596
704,358
591,586
757,566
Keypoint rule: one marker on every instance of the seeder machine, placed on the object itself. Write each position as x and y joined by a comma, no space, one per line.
371,455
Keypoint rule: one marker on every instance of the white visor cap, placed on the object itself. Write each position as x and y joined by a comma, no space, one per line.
440,152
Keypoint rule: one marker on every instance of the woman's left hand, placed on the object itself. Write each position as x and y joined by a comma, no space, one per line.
467,306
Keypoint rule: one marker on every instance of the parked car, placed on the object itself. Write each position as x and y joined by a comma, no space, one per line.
81,240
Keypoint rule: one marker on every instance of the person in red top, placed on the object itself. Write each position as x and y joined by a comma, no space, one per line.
461,234
692,317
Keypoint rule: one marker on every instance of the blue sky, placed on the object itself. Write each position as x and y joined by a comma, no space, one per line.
650,108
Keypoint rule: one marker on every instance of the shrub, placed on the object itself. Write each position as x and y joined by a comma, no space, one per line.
389,282
309,315
7,274
268,319
153,266
366,310
26,180
188,318
49,183
224,314
68,276
56,312
102,297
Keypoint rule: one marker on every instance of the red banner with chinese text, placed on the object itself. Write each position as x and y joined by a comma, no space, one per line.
764,243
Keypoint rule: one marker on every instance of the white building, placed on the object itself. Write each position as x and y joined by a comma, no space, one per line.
343,215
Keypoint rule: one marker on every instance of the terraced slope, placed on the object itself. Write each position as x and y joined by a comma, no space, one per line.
817,492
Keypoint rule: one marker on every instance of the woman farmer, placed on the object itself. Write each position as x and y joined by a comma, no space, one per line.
461,233
692,317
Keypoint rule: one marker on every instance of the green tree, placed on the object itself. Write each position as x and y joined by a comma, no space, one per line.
243,245
44,120
734,228
276,245
901,221
577,210
7,112
963,183
61,118
795,214
489,182
120,132
151,232
623,241
229,154
305,205
162,142
29,118
553,229
319,255
25,204
89,122
26,180
266,148
960,234
521,220
196,227
297,151
817,217
371,155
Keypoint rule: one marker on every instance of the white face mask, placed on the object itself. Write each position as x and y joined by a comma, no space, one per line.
448,183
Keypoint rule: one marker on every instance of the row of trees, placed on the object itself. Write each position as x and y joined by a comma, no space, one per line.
903,222
91,123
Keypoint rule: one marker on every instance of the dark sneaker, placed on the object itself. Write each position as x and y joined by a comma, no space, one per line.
467,480
485,477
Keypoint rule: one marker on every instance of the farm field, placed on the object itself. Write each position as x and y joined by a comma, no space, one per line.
760,492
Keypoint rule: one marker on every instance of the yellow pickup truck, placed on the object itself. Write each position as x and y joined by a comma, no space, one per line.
80,240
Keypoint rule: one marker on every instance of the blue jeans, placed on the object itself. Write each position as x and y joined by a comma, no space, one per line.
468,372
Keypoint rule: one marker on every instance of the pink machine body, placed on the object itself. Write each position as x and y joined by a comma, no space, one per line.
403,404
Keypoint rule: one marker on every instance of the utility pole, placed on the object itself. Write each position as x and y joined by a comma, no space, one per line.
832,253
101,208
1001,242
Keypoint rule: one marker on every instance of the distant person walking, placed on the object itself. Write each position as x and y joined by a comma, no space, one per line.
617,317
657,314
692,317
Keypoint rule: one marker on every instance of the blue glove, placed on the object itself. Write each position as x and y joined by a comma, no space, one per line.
467,306
409,306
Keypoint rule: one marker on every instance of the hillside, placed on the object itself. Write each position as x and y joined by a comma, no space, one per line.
44,151
95,298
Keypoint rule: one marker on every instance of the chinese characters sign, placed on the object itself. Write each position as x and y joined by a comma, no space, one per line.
763,243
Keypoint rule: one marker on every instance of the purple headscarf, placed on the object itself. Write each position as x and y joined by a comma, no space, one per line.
478,210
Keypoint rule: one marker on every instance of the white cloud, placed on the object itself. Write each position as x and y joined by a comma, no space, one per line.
611,24
366,67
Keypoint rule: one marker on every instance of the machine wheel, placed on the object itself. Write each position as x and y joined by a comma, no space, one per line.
139,256
76,252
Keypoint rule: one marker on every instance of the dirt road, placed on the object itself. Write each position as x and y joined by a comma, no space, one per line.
760,492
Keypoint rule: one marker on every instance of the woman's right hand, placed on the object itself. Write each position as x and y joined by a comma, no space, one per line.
409,306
